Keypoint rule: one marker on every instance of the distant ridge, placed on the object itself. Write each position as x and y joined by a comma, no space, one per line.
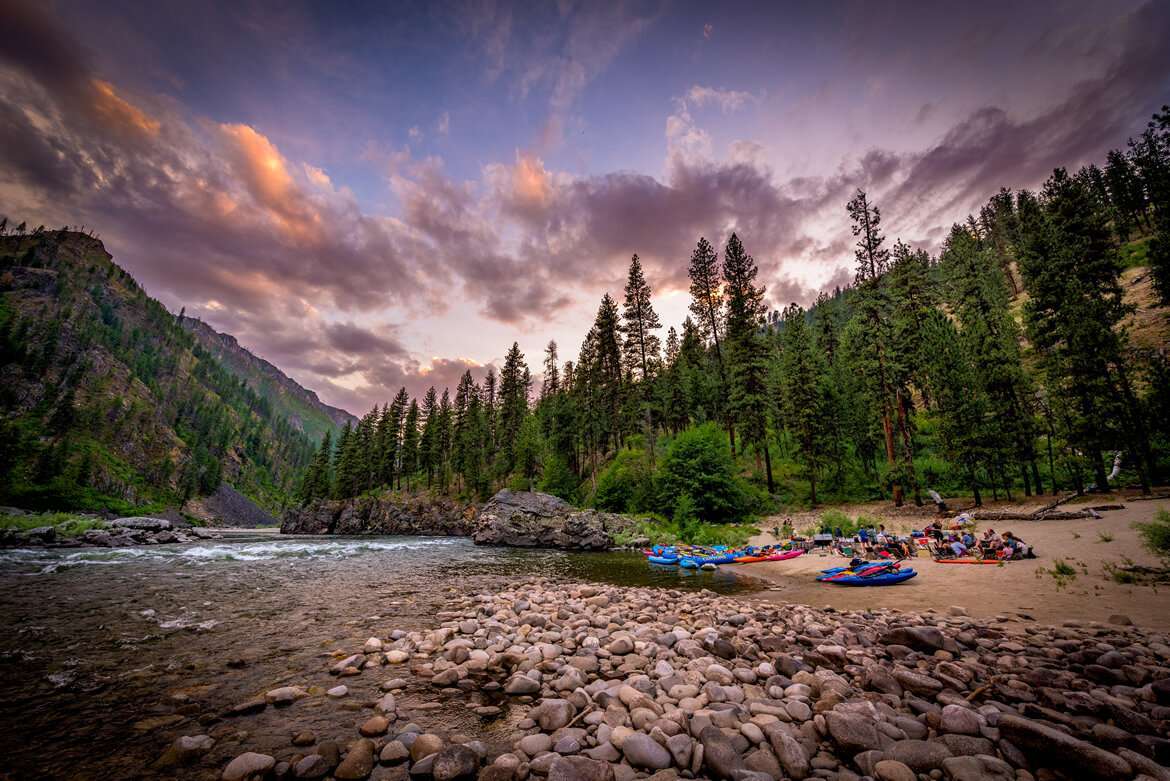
299,405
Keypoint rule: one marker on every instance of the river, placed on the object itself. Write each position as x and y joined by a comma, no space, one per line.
109,654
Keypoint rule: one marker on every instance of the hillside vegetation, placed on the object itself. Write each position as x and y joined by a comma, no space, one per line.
108,403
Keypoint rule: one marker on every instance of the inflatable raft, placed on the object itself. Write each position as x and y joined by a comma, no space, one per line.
889,578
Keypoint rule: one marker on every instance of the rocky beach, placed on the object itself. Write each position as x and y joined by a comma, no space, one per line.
589,682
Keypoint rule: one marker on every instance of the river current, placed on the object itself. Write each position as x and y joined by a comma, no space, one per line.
107,655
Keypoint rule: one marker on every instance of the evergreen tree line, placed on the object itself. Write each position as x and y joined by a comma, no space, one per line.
1002,364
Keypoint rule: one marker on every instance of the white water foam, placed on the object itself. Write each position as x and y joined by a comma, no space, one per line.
47,561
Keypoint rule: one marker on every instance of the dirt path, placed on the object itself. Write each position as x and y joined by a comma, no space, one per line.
1016,587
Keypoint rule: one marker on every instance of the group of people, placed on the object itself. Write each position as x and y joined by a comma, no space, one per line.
962,542
957,542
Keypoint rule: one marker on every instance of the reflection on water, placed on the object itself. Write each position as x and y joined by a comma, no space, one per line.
445,556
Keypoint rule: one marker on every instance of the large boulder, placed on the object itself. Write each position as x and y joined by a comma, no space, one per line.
138,523
526,519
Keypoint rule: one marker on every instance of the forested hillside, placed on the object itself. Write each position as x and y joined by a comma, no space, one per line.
106,402
1028,356
299,406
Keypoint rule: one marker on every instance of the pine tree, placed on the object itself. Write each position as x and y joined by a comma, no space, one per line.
707,307
409,449
513,406
1126,195
960,403
391,458
1070,265
990,337
748,375
1151,157
642,346
552,376
874,333
347,468
803,400
429,454
318,482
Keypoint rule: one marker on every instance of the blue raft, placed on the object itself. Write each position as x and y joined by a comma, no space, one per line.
887,578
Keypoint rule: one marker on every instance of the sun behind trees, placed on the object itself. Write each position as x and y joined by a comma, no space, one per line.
1003,364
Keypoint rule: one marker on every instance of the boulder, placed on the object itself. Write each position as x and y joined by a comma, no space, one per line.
139,523
1062,750
527,519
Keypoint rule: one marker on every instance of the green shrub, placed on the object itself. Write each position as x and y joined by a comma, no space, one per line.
558,478
626,485
1156,535
698,463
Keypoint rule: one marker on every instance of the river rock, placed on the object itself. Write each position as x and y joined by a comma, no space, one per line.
891,770
312,766
921,756
425,745
455,762
1063,750
248,766
394,752
554,714
358,763
720,756
977,768
642,751
580,769
852,733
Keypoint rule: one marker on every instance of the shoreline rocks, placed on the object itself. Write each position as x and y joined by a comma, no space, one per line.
617,683
116,533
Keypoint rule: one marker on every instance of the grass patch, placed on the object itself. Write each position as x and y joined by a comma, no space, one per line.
1104,537
1061,571
1156,535
661,531
67,524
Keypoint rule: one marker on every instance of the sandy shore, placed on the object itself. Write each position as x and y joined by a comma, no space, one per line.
1017,587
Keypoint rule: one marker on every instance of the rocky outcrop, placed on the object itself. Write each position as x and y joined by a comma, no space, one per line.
390,514
524,519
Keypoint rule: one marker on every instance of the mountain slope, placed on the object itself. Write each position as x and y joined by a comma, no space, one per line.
107,402
300,406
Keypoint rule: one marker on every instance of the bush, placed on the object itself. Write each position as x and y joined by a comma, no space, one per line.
1156,535
626,485
558,479
698,463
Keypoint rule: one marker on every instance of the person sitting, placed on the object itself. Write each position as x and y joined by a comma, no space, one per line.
957,548
990,544
1019,549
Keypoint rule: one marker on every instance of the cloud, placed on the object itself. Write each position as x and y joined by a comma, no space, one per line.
708,30
728,100
443,125
221,218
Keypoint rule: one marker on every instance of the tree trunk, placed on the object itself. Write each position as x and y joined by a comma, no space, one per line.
888,430
768,468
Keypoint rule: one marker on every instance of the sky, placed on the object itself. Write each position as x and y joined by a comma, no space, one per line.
372,194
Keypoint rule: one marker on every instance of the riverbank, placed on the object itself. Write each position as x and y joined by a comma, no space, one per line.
1019,587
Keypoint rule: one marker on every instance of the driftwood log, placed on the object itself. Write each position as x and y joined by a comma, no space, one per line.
1046,513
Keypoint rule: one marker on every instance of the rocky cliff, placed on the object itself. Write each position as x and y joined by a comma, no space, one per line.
390,514
535,520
